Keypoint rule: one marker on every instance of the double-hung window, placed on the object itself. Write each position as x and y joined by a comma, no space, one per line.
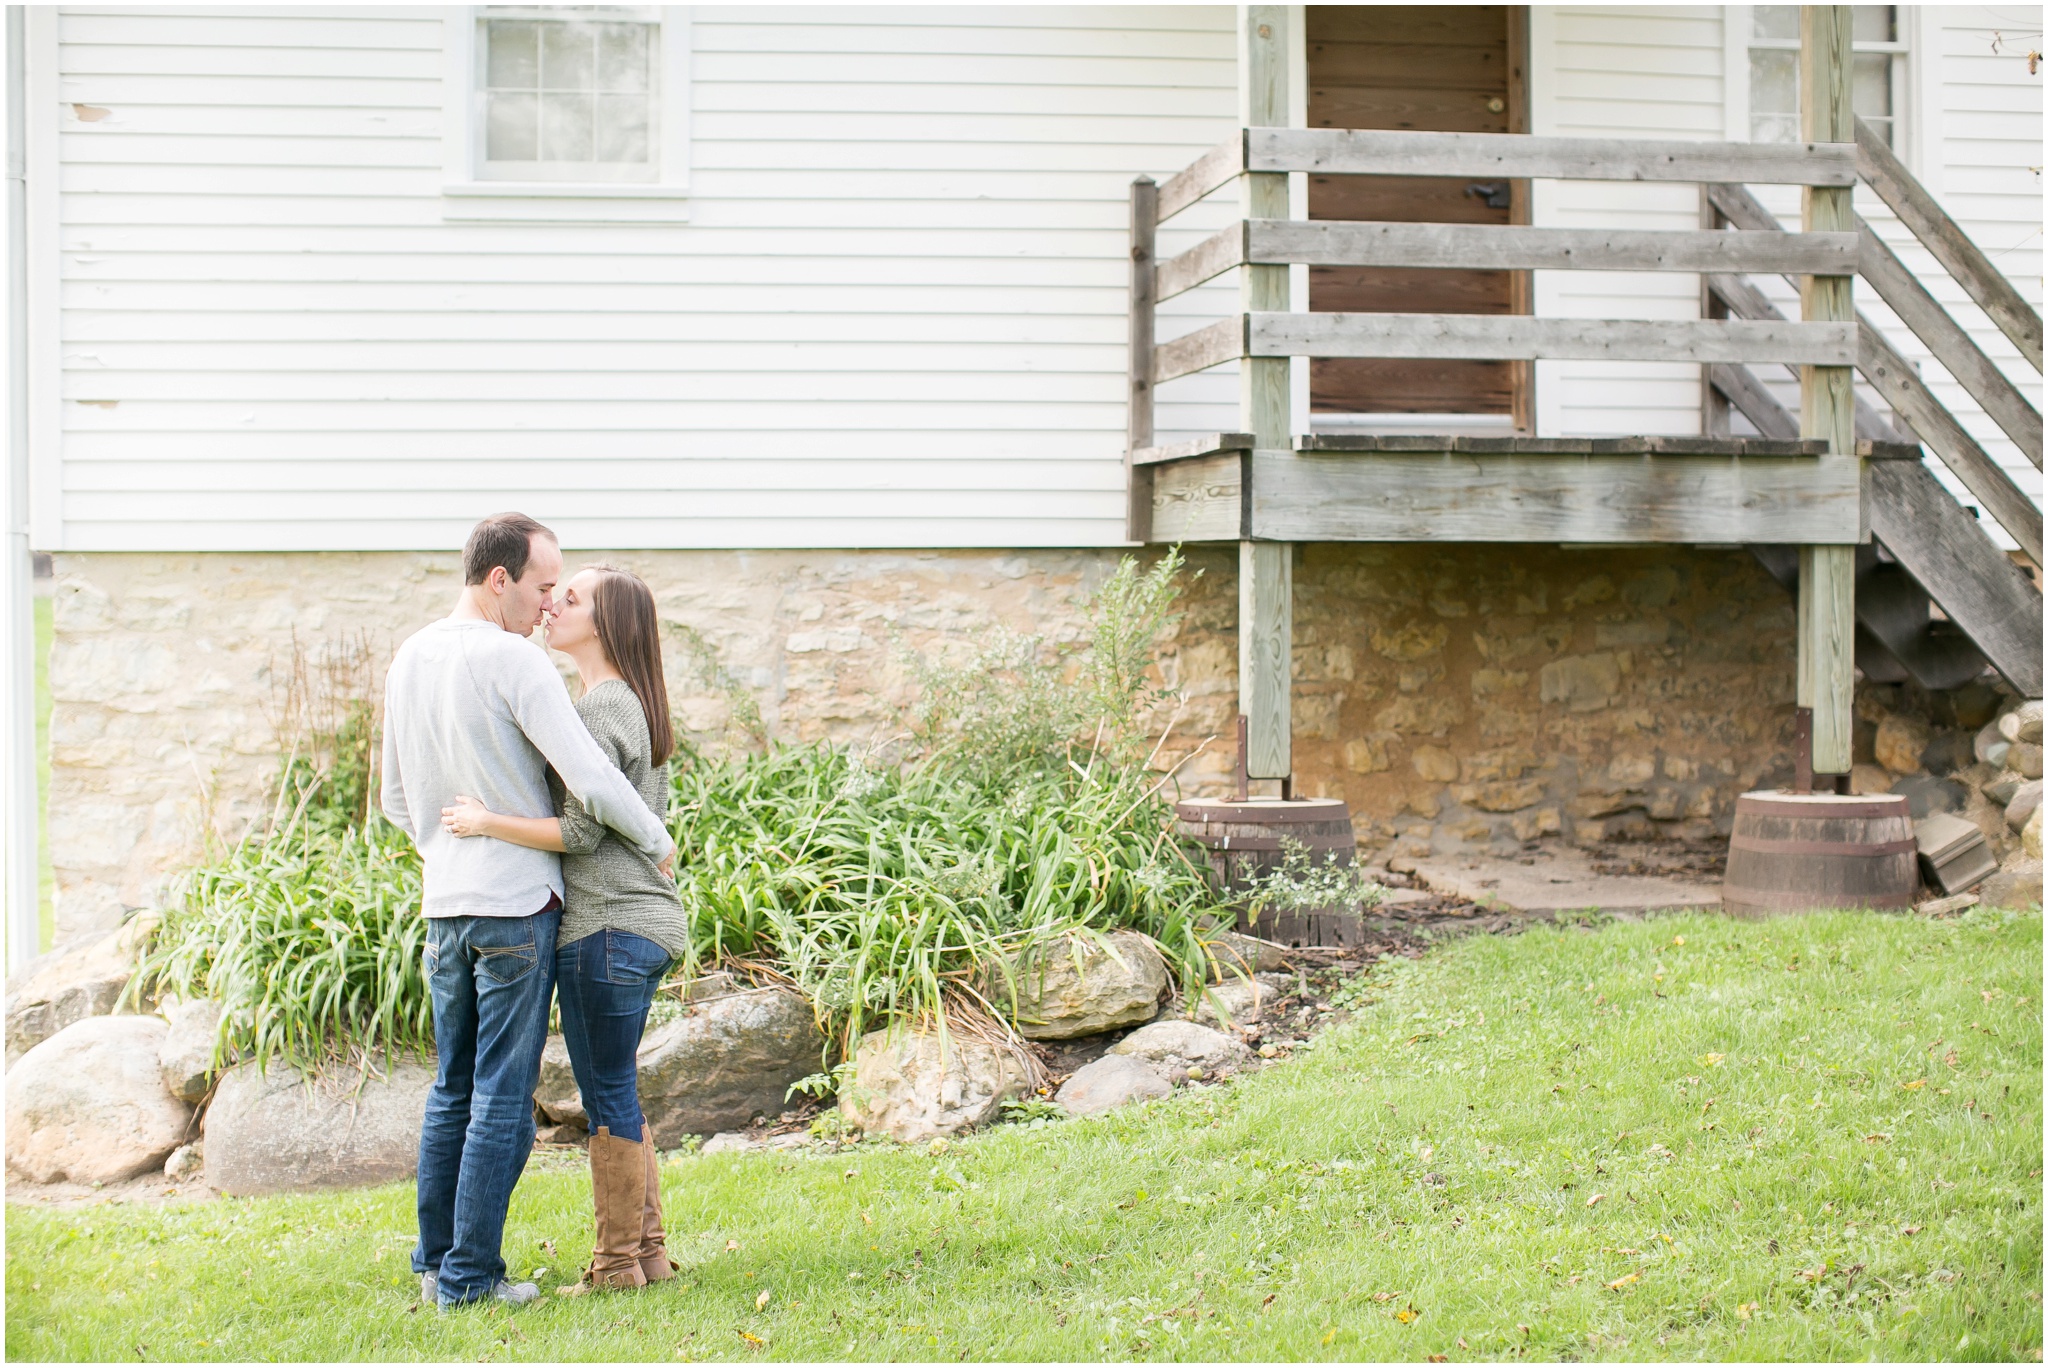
552,104
1774,70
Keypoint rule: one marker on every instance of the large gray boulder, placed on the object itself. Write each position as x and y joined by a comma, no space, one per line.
275,1130
1081,986
185,1059
557,1093
726,1061
73,982
1109,1082
1176,1047
88,1105
914,1086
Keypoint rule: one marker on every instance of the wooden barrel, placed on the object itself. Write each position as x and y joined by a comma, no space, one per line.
1244,839
1798,852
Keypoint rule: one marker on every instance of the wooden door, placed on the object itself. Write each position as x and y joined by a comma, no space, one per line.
1447,68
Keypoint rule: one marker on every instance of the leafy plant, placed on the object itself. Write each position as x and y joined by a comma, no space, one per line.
1301,882
1031,1111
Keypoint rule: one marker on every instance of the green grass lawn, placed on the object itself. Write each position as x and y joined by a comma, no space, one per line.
1685,1138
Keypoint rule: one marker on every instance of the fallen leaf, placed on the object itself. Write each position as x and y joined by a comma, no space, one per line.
732,1246
1744,1311
1596,1198
761,1302
1911,1230
754,1340
1876,1138
1813,1274
1712,1061
1623,1281
1268,1301
1678,940
1914,1085
866,1219
1331,1335
1523,1328
1406,1315
1425,1153
1439,1358
1462,1344
1952,1059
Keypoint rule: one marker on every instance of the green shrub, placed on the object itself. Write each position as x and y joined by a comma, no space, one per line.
884,890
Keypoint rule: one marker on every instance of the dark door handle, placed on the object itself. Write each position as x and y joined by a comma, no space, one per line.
1495,193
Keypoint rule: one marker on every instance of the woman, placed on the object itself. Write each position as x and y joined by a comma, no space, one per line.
622,923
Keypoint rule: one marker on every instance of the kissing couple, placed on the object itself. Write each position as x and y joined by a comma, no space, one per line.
548,869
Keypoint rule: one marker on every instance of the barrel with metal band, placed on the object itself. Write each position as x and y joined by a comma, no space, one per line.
1243,839
1801,852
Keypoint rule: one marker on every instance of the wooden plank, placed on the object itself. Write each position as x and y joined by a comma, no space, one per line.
1882,170
1143,321
1466,26
1402,289
1378,63
1514,338
1612,499
1411,443
1411,385
1408,106
1401,199
1894,377
1199,500
1739,385
1946,550
1951,346
1210,172
1375,152
1265,649
1221,341
1210,444
1447,246
1204,261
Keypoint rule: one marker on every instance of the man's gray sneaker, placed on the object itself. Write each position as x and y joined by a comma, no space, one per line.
430,1288
510,1293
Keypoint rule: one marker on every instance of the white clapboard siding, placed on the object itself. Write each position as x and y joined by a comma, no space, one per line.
1983,138
894,318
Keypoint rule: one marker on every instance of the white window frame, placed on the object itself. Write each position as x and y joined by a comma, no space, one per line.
465,193
1736,45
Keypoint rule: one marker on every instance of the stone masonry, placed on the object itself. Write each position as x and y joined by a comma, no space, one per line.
1459,697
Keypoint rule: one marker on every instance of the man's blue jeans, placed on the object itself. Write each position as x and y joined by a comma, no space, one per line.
607,982
491,978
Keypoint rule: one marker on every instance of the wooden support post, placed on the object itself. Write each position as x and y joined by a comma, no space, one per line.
1265,607
1827,403
1144,304
1714,406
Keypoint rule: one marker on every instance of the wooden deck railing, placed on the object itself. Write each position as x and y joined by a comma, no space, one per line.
1753,333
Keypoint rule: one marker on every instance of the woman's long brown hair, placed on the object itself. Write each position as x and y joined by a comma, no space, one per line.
622,609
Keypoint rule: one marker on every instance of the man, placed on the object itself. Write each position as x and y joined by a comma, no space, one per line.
473,707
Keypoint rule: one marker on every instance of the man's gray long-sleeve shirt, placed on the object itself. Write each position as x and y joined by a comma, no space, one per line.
469,708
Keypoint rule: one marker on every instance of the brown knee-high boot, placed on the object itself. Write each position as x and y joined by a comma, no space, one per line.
655,1264
618,1188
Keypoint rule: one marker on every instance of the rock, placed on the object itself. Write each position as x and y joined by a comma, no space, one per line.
556,1093
727,1142
1900,741
911,1087
274,1130
1582,683
2023,803
1232,953
1177,1046
1869,778
2016,884
725,1061
88,1105
562,1133
2002,789
2025,759
1108,1083
2027,722
2030,835
1990,747
185,1164
1948,752
72,983
1233,1003
185,1060
1926,794
1077,987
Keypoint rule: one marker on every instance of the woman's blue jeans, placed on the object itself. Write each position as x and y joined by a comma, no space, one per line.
606,982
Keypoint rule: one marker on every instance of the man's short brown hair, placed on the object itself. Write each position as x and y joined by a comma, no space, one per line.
502,539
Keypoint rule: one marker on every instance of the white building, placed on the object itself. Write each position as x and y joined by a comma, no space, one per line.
847,283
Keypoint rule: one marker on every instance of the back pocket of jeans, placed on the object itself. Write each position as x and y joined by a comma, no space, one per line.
631,959
509,965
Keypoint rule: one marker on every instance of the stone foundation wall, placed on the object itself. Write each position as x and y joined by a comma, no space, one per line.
1458,697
